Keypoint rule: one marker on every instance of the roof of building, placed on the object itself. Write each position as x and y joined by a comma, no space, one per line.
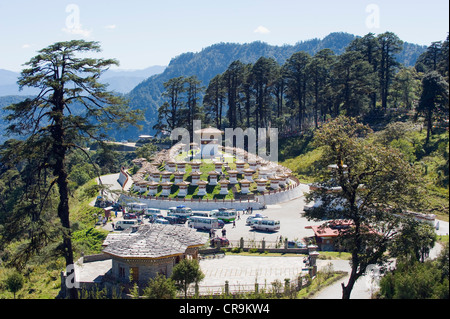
209,130
321,231
152,241
183,183
331,229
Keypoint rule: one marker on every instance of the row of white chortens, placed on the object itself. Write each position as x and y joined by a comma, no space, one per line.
267,173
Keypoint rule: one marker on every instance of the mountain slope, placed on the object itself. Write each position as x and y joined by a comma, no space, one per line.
216,58
123,81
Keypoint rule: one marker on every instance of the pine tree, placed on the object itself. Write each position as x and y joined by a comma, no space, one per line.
71,105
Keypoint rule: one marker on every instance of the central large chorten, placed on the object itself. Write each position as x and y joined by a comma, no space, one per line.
210,140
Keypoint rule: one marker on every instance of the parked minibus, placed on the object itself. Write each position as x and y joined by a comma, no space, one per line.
205,223
125,224
265,224
227,215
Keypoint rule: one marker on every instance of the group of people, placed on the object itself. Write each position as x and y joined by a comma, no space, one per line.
247,211
212,233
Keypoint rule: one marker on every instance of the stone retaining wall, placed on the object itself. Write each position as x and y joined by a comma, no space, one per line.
275,197
195,204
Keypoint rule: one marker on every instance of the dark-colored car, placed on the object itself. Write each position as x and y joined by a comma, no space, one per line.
172,220
296,244
182,218
130,216
224,242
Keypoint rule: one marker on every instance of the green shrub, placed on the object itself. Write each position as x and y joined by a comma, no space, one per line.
89,241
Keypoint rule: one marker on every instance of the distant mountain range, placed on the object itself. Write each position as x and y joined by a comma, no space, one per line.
144,87
121,81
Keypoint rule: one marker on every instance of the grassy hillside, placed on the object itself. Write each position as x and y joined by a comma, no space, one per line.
42,274
298,155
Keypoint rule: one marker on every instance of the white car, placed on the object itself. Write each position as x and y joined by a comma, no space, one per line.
250,219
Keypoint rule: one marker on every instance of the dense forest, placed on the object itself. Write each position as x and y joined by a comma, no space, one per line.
216,59
407,105
366,81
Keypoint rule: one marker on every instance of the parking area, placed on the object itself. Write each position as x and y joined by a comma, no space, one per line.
292,224
243,271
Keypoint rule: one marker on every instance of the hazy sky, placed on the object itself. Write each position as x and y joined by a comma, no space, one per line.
141,33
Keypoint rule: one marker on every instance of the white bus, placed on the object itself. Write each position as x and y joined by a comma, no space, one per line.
227,215
205,223
250,219
201,214
180,211
265,224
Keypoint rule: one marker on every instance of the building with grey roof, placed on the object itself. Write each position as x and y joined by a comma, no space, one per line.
151,249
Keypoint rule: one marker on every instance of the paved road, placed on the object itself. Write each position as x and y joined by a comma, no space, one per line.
364,286
362,289
292,224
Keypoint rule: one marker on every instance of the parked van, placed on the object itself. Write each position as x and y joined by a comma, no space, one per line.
252,217
180,210
201,214
265,224
227,215
153,213
125,224
205,223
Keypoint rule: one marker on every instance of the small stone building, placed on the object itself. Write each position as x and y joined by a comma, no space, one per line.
151,249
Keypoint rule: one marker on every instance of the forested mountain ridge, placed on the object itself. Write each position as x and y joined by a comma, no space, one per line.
216,58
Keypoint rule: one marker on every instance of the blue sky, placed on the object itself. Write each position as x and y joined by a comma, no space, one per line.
142,33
